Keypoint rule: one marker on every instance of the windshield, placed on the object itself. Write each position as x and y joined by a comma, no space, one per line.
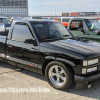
93,24
50,31
4,20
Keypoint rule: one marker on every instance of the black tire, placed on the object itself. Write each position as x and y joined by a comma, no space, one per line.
68,71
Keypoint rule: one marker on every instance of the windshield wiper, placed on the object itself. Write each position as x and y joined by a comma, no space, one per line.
65,35
49,38
52,38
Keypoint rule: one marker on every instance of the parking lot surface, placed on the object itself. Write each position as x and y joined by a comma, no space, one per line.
13,78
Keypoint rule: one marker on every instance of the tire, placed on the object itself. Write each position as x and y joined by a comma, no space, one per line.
59,75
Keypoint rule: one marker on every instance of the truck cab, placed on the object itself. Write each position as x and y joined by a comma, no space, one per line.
85,28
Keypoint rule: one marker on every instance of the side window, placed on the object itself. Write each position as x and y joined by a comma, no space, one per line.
65,20
75,25
21,32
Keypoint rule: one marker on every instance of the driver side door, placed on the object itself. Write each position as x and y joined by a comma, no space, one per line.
25,55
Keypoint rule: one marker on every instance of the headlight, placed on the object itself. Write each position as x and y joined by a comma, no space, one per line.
84,70
90,62
91,69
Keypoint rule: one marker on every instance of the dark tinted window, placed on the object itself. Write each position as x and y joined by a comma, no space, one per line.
65,20
50,30
21,32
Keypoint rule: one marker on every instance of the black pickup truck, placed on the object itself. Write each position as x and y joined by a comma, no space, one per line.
45,46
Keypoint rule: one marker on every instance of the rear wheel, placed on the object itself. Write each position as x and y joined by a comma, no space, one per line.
58,75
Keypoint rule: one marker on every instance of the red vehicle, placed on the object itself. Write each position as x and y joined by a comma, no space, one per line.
98,19
64,20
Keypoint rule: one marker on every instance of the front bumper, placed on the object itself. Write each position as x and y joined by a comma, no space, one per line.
84,80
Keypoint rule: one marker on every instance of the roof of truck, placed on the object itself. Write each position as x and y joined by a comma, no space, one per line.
81,18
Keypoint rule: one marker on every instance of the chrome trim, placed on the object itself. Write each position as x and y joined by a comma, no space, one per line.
57,75
2,55
23,62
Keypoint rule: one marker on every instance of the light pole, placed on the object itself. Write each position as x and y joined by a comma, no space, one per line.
55,10
70,9
41,10
85,7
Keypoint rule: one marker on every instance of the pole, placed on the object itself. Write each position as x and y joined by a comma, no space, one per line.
70,9
41,10
55,10
85,7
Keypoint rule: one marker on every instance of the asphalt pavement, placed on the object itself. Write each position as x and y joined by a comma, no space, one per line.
17,84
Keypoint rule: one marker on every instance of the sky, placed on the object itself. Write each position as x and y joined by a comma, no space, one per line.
52,7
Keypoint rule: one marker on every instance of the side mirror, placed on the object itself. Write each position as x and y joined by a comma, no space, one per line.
31,41
82,30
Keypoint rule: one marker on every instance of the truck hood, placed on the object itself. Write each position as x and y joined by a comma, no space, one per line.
74,47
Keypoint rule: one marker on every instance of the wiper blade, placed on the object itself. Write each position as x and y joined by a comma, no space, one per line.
52,39
49,38
65,35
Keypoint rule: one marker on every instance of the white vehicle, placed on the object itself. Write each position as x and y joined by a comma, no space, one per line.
4,25
3,19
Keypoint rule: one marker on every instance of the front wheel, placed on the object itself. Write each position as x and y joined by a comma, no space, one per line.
58,75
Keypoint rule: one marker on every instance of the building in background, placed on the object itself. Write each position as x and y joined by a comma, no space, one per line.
13,8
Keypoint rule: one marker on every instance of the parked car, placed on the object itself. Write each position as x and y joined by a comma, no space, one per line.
85,28
4,27
3,20
98,19
4,24
46,47
63,20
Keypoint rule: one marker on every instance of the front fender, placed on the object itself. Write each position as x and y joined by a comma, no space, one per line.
61,60
66,61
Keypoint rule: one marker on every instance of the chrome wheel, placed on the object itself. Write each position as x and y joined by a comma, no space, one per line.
57,75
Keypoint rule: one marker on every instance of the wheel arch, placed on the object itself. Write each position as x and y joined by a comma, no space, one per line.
68,63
